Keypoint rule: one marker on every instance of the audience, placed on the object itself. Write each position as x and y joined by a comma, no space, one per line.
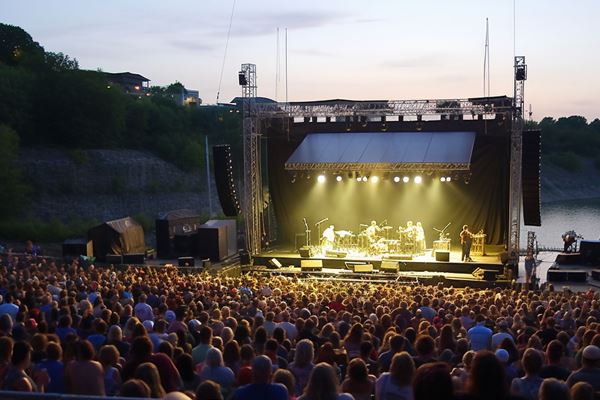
157,332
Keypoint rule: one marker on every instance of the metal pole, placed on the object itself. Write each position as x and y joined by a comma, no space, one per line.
210,208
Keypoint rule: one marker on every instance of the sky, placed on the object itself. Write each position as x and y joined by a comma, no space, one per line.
378,49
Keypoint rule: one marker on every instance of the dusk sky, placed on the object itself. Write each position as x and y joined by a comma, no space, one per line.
336,49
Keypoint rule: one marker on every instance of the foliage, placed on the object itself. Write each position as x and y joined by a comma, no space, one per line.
13,192
38,230
566,160
145,221
16,45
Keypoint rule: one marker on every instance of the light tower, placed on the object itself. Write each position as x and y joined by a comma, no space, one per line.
516,140
251,144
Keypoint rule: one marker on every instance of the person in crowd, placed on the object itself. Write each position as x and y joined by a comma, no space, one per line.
432,381
554,358
582,391
359,383
323,384
54,366
590,370
16,377
84,375
529,385
109,358
214,370
189,377
302,365
261,386
480,336
135,388
205,343
286,378
208,390
554,389
397,384
148,373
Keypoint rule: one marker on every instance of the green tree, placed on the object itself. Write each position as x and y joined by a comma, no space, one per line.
13,192
16,45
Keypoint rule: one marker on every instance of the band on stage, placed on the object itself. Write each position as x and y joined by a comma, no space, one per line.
375,239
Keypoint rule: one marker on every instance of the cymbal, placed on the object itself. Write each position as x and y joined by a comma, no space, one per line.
387,227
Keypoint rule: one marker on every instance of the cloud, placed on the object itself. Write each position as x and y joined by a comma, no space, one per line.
367,20
191,45
312,52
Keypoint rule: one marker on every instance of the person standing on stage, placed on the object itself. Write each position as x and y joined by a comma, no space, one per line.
328,237
529,267
420,237
466,239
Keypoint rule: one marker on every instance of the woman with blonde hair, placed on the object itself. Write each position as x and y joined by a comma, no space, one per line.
397,384
302,365
323,384
148,373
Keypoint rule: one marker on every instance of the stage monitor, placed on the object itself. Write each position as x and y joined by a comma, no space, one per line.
274,263
311,265
389,266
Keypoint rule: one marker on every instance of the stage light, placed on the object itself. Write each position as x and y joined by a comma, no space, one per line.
374,179
396,179
418,179
448,179
443,179
364,179
338,178
358,179
321,178
405,179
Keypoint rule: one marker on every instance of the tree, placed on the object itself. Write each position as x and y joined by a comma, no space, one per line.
60,62
13,192
16,45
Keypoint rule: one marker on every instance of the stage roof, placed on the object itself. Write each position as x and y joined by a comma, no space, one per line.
383,151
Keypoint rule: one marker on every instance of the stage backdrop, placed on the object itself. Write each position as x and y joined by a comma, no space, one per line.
482,203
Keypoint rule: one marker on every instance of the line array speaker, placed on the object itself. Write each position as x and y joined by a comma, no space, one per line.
223,167
530,174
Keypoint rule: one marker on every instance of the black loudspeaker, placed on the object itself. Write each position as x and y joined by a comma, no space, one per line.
115,259
442,255
305,252
77,247
183,244
311,265
530,174
521,73
389,266
490,275
223,167
245,257
564,275
590,252
186,261
242,79
134,258
568,258
363,268
596,274
274,263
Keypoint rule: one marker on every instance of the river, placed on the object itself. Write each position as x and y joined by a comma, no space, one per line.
582,216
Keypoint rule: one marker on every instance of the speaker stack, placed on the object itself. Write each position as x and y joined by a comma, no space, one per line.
223,166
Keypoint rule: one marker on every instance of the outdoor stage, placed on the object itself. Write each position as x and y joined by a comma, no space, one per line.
418,269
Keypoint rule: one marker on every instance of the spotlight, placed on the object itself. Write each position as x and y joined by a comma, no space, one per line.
321,178
448,179
405,179
338,178
418,179
396,179
443,179
374,179
358,179
364,179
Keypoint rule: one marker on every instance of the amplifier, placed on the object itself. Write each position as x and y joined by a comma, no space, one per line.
442,255
363,268
134,258
311,265
305,252
389,266
335,253
186,261
115,259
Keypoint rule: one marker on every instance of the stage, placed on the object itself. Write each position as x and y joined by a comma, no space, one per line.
422,268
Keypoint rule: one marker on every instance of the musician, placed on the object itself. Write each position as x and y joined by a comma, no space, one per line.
420,237
372,230
466,239
328,237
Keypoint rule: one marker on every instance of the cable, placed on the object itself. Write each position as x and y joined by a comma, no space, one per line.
225,54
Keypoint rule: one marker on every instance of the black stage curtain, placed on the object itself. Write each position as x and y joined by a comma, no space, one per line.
482,203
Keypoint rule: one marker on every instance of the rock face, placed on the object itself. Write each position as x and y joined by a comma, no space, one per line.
107,184
559,184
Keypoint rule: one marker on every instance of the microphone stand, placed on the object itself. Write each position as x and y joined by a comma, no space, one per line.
318,225
307,232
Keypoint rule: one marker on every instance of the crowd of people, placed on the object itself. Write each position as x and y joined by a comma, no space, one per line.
160,332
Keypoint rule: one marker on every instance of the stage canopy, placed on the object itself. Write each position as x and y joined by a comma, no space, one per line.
383,151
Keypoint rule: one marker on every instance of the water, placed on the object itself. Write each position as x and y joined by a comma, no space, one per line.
582,216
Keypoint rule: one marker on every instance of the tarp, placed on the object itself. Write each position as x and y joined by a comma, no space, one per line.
120,236
383,150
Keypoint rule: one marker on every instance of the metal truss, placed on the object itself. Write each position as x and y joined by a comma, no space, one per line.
379,167
516,140
252,167
340,108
